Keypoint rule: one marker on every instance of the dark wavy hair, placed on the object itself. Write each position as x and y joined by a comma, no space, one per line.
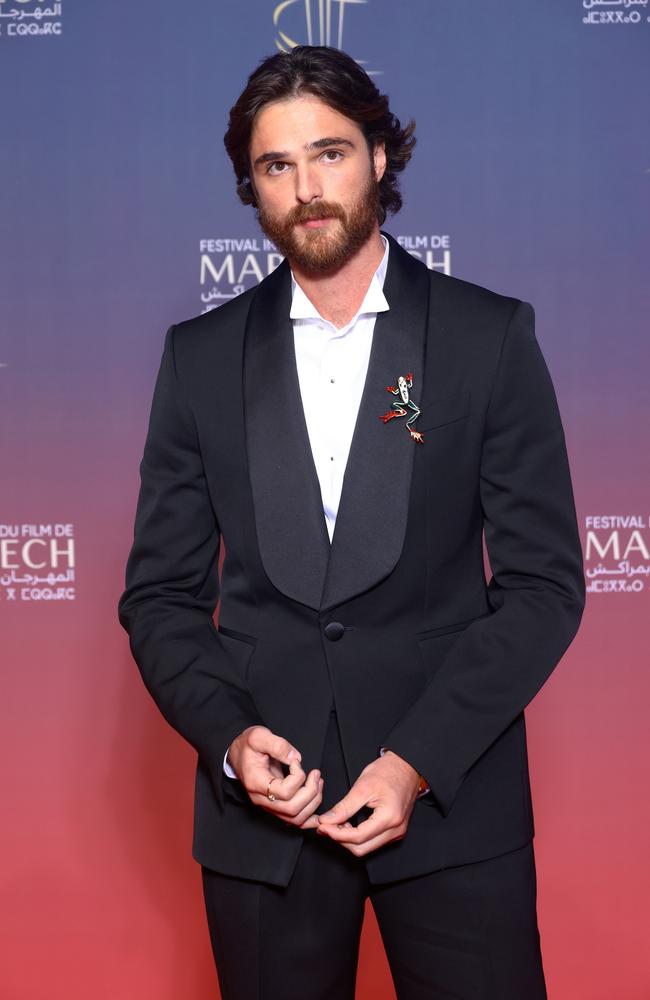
337,80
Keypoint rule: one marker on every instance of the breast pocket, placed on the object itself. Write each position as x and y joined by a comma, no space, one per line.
442,410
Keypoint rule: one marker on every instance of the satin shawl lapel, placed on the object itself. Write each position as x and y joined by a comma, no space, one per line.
291,531
371,521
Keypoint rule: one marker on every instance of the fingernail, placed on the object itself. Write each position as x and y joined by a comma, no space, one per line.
293,755
327,817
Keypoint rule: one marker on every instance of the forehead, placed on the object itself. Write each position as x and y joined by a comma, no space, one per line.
290,124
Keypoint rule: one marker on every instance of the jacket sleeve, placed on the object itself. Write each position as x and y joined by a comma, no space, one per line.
536,593
172,586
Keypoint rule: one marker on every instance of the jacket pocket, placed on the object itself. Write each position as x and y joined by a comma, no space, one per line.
433,633
241,648
443,410
242,636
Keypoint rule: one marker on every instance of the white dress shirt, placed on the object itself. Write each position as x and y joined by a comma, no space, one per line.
332,365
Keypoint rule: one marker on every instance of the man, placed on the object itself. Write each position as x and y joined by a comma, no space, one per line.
351,427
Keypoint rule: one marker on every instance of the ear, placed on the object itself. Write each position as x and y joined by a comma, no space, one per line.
379,160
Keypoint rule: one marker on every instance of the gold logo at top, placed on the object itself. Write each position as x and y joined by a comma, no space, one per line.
324,22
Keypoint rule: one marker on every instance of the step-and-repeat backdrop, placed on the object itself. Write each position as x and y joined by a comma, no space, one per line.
118,216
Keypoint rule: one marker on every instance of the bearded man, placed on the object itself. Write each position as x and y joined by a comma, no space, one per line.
359,711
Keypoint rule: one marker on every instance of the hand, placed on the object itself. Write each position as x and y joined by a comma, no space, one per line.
256,755
388,786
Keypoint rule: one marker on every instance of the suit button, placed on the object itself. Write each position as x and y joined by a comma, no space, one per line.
334,631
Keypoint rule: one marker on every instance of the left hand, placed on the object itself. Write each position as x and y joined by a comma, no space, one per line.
388,786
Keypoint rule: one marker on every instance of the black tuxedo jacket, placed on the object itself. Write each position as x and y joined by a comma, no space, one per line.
393,624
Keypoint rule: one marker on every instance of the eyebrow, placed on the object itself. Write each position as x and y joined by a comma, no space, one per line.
316,144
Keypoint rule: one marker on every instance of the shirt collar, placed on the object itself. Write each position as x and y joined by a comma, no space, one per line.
374,300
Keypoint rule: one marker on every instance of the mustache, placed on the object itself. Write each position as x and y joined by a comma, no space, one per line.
319,210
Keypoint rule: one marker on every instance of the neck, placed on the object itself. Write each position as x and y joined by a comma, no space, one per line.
338,295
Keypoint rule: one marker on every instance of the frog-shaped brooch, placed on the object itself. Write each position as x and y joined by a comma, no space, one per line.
403,405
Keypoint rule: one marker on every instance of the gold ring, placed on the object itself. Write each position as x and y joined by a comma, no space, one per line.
270,796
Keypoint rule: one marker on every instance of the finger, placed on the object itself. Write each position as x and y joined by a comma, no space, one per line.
300,802
306,815
380,822
293,804
326,831
360,850
257,776
350,804
263,740
286,787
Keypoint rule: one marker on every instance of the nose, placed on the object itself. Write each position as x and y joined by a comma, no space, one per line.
308,186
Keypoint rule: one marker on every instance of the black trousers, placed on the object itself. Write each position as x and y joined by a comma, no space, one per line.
463,933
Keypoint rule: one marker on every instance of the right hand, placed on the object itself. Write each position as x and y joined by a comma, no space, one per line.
256,755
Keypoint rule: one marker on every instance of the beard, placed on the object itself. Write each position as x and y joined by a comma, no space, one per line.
324,250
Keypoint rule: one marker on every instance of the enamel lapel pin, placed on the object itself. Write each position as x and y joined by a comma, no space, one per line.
403,405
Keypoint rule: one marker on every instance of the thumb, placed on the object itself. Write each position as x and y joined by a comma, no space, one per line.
282,750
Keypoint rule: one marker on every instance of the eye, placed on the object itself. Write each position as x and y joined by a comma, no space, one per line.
332,155
276,163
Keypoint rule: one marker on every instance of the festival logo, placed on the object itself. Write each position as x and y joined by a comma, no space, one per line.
315,22
29,18
229,266
434,250
37,562
617,553
615,12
